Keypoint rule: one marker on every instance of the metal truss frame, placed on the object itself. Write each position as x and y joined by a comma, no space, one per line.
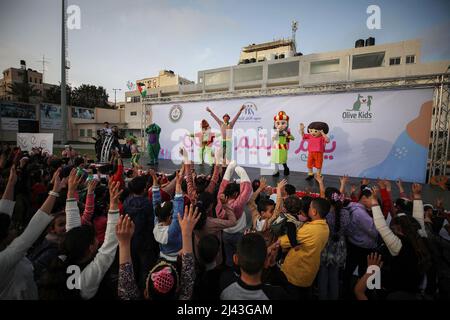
440,127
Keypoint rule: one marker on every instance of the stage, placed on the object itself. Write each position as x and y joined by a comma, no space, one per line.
430,193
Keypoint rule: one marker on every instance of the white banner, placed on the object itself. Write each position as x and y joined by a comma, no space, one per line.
50,116
27,141
373,134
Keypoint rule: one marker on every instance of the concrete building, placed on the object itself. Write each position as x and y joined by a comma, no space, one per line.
21,75
165,78
273,50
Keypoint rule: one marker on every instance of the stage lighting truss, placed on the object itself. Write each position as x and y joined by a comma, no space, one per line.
440,135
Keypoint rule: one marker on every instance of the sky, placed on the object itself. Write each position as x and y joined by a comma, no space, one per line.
121,40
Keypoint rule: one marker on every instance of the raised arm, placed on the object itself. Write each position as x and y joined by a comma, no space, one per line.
373,259
217,168
279,203
245,189
127,287
219,122
302,129
89,206
7,202
343,182
178,204
252,204
187,223
73,218
226,179
393,242
236,117
94,272
418,212
18,248
319,179
325,137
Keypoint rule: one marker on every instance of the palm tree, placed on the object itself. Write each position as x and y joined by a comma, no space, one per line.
23,91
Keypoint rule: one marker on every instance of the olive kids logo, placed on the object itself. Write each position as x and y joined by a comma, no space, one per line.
361,111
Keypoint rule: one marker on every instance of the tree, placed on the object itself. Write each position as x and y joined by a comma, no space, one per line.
23,91
90,96
53,95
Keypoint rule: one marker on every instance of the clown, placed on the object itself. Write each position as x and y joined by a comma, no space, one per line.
281,139
317,138
205,139
226,128
153,132
135,154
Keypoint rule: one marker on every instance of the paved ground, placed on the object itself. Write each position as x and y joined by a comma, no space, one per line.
430,193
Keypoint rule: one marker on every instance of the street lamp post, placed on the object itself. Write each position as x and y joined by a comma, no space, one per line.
115,101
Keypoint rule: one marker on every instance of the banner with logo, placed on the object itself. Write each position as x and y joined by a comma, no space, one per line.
373,134
28,141
50,116
12,112
83,113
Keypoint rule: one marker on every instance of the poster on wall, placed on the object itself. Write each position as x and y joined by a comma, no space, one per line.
83,113
373,134
12,112
28,141
50,116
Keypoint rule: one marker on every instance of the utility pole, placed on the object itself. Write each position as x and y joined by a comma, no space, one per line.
63,74
115,101
44,62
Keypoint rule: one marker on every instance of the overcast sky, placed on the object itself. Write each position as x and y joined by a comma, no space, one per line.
122,40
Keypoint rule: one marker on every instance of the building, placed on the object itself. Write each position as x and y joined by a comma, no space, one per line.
278,49
134,115
22,75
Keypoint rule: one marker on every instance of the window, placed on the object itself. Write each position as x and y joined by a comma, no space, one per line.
128,99
82,133
394,61
133,113
369,60
248,74
410,59
283,70
324,66
89,132
40,81
31,79
215,78
136,99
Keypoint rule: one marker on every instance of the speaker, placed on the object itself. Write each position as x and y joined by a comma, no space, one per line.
28,126
359,43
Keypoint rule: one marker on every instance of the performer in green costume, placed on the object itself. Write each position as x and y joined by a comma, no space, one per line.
153,131
281,139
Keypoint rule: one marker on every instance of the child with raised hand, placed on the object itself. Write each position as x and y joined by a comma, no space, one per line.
163,281
262,213
167,229
80,248
16,280
237,196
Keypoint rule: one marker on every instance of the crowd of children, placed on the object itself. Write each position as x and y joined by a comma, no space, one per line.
187,236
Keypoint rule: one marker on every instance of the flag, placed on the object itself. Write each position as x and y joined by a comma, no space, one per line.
142,89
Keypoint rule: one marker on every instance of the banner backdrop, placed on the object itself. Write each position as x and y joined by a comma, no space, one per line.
27,141
83,113
50,116
373,134
12,112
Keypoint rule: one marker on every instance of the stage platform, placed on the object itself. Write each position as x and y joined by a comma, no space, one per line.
430,193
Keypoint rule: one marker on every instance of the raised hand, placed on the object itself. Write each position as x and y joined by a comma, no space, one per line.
12,179
301,127
417,191
73,182
262,183
242,108
208,109
57,182
344,179
92,184
124,230
374,197
381,184
319,178
189,220
388,185
399,184
374,259
281,185
114,194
